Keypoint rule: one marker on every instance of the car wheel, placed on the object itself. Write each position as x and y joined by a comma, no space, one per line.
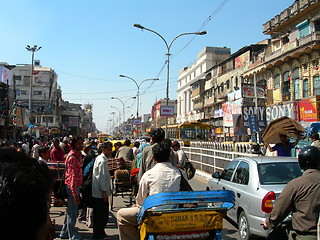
243,227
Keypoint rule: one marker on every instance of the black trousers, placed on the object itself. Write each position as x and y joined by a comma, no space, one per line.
100,217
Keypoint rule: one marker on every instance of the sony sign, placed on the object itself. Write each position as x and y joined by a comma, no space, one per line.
276,111
249,111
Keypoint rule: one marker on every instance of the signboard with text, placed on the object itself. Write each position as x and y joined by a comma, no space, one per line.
166,111
248,111
308,110
286,109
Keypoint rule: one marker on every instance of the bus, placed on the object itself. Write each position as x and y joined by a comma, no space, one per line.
103,137
189,131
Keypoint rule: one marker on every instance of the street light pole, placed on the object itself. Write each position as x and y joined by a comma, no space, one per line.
33,49
123,106
168,46
138,87
119,120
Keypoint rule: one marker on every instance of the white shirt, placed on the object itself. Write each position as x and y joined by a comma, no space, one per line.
101,180
163,177
26,148
182,158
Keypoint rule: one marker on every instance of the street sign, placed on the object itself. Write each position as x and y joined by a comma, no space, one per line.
166,111
136,122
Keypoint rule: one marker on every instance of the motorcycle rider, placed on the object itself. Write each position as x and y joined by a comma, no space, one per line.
301,196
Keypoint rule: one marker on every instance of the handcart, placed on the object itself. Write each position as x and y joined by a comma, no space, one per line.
120,176
184,215
57,169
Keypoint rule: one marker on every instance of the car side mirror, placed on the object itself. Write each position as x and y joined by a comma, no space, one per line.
216,175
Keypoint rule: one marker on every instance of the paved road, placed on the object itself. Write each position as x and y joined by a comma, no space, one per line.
229,231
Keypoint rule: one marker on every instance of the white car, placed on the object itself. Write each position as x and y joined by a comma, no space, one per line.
256,183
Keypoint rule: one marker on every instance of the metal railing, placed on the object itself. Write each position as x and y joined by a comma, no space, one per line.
210,157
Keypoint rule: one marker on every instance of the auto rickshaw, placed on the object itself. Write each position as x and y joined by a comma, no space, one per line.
184,215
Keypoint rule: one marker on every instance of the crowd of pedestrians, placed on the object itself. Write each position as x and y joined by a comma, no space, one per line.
157,166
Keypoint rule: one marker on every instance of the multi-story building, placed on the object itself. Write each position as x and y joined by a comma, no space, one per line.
290,63
44,109
242,92
161,110
191,78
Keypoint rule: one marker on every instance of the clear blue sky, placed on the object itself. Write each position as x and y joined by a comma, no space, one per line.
89,43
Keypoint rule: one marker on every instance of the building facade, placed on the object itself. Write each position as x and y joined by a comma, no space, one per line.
239,94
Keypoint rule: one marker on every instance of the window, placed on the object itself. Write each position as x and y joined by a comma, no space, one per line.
242,174
226,174
278,173
23,92
276,81
317,25
16,78
304,28
26,80
296,88
305,93
38,93
286,87
316,85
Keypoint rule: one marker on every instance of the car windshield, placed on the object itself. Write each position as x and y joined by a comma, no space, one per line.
278,173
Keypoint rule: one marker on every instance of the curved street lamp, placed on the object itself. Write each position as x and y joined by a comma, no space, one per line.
138,87
123,105
33,49
168,45
119,119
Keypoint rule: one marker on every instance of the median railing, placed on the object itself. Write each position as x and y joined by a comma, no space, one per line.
213,157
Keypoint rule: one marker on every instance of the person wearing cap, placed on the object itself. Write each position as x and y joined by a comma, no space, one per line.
56,154
284,147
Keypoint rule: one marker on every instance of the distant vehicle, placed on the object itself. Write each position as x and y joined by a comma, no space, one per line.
256,183
189,131
103,137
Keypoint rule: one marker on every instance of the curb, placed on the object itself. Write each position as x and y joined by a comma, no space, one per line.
203,175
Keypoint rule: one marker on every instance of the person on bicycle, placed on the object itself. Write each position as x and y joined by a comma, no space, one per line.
301,196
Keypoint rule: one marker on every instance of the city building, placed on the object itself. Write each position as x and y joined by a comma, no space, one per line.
161,110
239,94
191,80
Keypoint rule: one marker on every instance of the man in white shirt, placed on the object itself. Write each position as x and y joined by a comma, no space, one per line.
163,177
182,157
101,189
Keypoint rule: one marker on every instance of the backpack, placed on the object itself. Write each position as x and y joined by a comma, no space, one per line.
86,188
88,170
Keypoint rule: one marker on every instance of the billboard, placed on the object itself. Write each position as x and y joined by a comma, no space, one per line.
166,110
5,76
308,110
248,111
242,60
248,91
285,109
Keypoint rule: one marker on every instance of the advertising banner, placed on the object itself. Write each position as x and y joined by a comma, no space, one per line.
166,111
73,122
248,91
5,76
242,60
136,122
238,128
248,111
308,110
286,109
218,113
